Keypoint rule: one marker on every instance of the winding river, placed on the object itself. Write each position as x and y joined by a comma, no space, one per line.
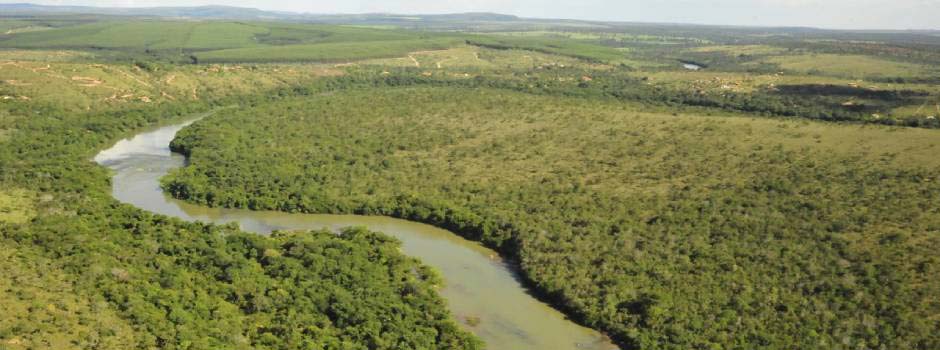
478,285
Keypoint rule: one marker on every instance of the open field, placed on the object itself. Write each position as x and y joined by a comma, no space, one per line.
468,58
83,86
44,55
327,52
596,35
16,206
849,66
742,49
254,42
571,48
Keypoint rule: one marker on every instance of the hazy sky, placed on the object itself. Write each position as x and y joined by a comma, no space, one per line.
856,14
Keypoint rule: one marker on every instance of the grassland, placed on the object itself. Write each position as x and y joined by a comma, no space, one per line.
16,205
327,52
571,48
467,59
849,66
590,35
232,41
8,55
7,25
77,86
742,49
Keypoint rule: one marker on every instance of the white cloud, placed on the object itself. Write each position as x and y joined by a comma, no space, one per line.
885,14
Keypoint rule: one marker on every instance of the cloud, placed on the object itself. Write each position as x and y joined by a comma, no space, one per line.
854,14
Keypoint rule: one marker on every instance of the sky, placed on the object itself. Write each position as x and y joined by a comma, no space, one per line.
844,14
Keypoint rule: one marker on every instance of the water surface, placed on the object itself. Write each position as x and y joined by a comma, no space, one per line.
478,285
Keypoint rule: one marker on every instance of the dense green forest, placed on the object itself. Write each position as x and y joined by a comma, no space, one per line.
668,232
113,276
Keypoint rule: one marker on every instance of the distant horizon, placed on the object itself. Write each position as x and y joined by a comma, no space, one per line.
903,15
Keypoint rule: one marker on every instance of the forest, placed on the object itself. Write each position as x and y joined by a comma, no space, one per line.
82,271
669,232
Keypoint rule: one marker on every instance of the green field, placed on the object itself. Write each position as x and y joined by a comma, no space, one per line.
327,52
572,48
246,42
850,66
16,206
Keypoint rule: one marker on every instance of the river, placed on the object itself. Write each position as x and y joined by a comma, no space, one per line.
478,285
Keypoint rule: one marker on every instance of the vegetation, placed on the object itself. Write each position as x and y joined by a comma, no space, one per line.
328,52
782,197
217,41
590,52
668,232
15,206
851,66
83,270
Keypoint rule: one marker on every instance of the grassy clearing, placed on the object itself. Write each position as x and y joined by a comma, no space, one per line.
597,35
83,86
466,58
248,41
141,34
282,33
848,66
717,82
16,206
44,55
742,49
26,29
570,48
8,24
328,52
223,35
930,107
749,82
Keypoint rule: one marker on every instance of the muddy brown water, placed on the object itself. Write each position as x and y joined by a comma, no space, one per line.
478,285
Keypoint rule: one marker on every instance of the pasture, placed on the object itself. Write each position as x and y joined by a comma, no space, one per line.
849,66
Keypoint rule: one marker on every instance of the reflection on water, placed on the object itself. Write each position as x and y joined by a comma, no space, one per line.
478,284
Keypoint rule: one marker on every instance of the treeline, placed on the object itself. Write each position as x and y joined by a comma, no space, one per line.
668,233
916,52
181,285
586,51
789,101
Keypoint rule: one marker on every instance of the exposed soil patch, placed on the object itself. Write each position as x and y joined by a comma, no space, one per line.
16,83
87,81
